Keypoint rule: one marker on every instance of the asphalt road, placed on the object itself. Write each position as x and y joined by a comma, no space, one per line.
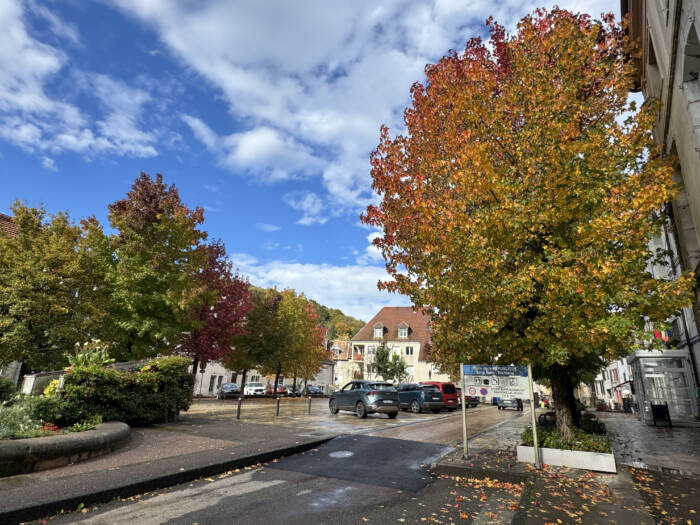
355,478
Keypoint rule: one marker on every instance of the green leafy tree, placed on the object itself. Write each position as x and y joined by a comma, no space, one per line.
382,364
399,370
51,292
157,254
520,203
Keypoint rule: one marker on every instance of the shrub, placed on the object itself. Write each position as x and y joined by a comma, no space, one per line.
7,389
50,390
94,352
154,394
548,437
17,420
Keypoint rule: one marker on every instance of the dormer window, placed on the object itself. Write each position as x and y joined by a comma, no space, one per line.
403,331
378,331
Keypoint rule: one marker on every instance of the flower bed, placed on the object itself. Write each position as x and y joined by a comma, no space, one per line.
19,420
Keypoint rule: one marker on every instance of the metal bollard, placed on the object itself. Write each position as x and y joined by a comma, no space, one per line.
309,405
238,411
278,407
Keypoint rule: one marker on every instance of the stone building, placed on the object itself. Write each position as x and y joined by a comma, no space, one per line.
669,70
407,333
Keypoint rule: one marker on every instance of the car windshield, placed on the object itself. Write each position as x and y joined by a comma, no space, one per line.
382,386
448,388
229,386
255,384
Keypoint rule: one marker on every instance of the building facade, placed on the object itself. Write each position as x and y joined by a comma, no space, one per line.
406,333
669,70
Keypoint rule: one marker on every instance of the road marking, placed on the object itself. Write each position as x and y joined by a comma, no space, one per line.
164,507
341,454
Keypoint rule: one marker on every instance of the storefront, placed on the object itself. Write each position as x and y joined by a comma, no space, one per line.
665,377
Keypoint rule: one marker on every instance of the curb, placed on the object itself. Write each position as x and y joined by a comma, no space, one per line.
33,512
22,456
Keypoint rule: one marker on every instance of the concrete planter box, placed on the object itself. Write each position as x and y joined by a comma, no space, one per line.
598,461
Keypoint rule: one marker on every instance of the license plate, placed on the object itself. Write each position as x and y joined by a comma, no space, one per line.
387,401
436,399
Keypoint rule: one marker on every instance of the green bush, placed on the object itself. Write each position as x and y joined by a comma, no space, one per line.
548,437
17,420
154,394
7,389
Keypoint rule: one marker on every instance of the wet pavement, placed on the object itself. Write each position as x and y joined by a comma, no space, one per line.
661,448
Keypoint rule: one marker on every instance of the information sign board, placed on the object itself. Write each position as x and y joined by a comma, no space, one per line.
509,382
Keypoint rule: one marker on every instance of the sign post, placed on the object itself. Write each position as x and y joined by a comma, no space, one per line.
534,419
465,454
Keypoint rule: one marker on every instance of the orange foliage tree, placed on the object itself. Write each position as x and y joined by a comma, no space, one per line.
520,202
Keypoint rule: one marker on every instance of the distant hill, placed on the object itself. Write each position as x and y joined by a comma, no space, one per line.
339,325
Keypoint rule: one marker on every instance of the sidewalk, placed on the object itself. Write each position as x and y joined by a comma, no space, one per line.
564,495
154,457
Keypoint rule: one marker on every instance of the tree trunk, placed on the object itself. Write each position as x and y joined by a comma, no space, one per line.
563,397
277,378
245,373
294,385
195,366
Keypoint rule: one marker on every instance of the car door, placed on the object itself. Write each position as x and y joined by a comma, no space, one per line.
341,396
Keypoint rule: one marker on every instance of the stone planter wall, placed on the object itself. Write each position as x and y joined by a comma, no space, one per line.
20,456
601,462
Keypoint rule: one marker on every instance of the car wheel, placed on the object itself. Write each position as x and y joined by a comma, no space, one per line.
332,406
361,410
436,411
392,415
415,407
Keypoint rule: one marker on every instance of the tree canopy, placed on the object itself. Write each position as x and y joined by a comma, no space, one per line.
520,202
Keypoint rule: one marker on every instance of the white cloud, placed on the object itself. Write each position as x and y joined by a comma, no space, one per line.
37,121
371,253
351,288
267,227
310,205
262,151
315,83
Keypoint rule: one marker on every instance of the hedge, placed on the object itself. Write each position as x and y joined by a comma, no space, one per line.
154,394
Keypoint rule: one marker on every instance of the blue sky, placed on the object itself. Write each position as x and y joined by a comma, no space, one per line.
263,113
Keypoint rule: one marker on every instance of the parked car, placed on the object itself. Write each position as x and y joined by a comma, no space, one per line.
293,391
281,390
473,401
228,390
366,397
449,393
313,391
254,389
417,398
509,403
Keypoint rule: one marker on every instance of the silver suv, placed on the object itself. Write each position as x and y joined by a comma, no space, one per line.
366,397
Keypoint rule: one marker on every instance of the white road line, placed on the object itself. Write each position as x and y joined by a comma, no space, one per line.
164,507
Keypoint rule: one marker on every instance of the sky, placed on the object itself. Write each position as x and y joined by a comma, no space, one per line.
263,113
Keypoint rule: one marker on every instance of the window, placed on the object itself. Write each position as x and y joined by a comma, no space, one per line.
370,350
409,350
378,332
218,383
212,380
403,332
409,371
234,377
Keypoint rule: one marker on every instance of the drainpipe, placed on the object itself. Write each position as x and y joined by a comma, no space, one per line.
672,68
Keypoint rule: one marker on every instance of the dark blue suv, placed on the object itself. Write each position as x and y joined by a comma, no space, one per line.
420,397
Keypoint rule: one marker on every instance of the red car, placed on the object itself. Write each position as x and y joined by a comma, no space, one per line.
281,390
449,393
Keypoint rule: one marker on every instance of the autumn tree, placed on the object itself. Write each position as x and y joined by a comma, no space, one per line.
157,253
52,293
520,202
220,314
381,364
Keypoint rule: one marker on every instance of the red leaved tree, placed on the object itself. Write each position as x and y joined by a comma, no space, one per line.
222,313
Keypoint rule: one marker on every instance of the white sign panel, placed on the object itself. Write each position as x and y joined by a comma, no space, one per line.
508,382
